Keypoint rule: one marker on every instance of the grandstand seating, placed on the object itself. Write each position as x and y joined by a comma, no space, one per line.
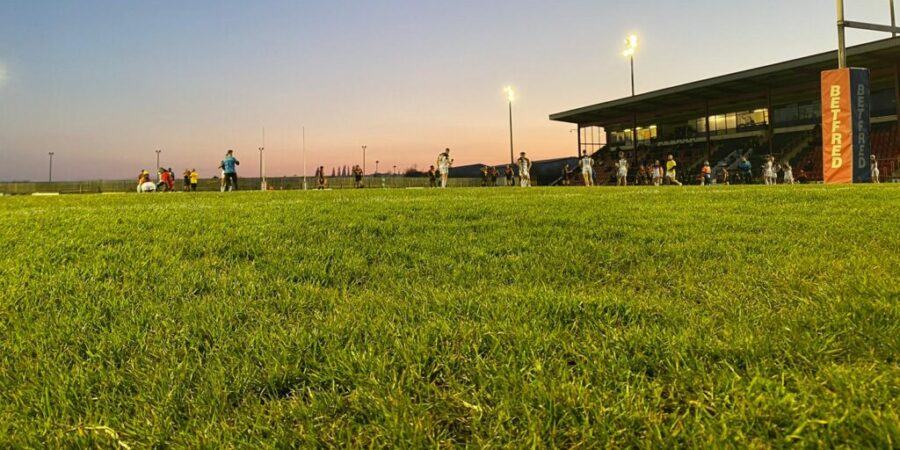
884,147
803,149
886,150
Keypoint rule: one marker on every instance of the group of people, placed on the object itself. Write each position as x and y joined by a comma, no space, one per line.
655,174
166,181
191,178
489,174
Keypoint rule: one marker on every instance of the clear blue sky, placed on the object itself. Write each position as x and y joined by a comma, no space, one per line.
105,82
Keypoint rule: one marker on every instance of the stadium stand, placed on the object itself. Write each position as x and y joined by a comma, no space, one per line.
772,110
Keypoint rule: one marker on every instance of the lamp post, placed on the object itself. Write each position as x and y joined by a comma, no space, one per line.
262,173
511,96
303,138
631,45
51,166
158,175
376,167
364,147
395,171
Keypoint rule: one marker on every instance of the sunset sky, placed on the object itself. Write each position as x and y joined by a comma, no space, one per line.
103,83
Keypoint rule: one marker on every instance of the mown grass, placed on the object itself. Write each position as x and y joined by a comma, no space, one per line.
569,318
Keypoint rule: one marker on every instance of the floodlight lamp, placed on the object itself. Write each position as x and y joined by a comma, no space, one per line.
511,94
632,41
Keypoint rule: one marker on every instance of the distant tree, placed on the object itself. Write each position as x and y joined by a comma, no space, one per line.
333,171
413,172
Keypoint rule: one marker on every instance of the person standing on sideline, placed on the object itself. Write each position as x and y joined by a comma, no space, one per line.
358,176
567,175
229,171
769,173
656,173
485,175
510,176
144,178
746,171
165,182
432,177
195,179
186,176
494,175
876,174
524,170
587,169
622,170
171,180
723,175
320,178
444,164
671,172
707,174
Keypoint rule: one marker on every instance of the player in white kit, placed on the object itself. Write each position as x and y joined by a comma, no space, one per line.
444,164
876,174
622,170
524,170
657,173
587,169
788,172
769,174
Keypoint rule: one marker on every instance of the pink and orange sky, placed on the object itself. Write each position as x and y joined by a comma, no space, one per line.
103,83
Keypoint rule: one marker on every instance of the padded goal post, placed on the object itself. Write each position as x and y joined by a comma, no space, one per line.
846,126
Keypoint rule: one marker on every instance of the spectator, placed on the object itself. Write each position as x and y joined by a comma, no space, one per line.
746,171
485,174
510,176
706,174
358,176
164,180
195,179
186,176
494,173
723,175
432,177
320,178
656,173
171,180
143,181
567,175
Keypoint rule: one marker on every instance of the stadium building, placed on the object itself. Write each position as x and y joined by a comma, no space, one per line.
772,110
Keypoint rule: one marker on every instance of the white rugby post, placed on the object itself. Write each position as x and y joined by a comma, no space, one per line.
158,175
50,178
262,171
364,147
843,24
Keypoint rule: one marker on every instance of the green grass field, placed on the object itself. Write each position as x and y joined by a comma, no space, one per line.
572,318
